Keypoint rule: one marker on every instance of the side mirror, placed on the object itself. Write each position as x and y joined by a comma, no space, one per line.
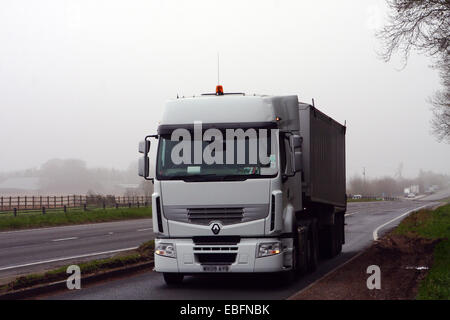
144,165
144,147
297,161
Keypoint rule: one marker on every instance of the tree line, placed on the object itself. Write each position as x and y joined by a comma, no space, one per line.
394,186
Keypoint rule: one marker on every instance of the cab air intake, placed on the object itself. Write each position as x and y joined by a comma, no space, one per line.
272,214
158,215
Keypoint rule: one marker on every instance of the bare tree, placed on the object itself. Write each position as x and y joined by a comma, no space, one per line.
424,26
441,104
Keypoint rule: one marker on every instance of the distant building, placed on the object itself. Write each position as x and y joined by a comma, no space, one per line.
415,189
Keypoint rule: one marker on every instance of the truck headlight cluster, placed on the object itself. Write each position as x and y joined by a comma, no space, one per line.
166,250
268,249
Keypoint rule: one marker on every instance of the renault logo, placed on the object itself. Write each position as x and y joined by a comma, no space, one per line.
215,228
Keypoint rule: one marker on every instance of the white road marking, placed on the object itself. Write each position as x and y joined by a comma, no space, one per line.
73,226
65,239
375,232
65,258
140,230
350,214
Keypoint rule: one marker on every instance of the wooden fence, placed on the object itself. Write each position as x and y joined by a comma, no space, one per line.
23,203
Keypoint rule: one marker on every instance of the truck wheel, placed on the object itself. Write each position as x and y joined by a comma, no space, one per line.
339,233
313,250
302,251
328,241
295,253
173,278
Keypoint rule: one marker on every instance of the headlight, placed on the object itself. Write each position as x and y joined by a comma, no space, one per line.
166,250
268,249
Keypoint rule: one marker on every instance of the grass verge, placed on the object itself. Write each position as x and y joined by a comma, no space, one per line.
142,254
432,225
58,218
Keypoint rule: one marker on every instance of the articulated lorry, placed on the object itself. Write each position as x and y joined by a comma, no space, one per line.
245,184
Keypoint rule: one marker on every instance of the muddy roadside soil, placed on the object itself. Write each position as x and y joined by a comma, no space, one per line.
403,262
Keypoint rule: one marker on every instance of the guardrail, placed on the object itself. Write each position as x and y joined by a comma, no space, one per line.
16,204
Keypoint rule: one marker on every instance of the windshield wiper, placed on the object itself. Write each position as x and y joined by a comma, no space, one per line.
234,178
210,177
198,177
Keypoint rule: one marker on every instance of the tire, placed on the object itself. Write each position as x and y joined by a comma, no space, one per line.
173,278
294,272
302,253
339,233
313,250
328,241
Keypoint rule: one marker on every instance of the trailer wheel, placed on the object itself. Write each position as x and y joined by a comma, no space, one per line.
173,278
328,241
302,251
339,225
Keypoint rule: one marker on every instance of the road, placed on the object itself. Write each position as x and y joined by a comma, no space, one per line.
440,194
362,220
35,250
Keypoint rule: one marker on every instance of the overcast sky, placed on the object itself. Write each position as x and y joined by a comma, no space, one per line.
88,79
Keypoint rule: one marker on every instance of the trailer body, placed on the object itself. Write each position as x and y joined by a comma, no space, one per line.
324,157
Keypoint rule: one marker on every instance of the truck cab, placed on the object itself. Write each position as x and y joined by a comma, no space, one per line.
230,194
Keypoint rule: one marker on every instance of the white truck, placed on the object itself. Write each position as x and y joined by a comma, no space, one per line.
235,214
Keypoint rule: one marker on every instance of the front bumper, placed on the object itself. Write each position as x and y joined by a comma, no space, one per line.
189,257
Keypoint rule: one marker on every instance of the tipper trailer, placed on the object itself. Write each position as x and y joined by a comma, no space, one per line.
245,184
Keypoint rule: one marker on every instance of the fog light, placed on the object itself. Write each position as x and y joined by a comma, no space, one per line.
166,250
268,249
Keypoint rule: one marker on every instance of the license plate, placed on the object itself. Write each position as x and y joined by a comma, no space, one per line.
216,268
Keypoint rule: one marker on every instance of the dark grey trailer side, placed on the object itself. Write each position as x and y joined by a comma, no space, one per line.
323,157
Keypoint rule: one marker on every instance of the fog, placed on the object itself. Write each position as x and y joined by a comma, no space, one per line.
72,176
394,186
88,79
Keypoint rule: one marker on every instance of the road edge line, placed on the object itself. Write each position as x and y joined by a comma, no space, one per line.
71,225
375,232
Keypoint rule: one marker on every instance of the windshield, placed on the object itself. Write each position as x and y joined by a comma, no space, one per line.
227,158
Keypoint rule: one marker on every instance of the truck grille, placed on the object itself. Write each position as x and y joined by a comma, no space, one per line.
216,240
226,214
207,215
